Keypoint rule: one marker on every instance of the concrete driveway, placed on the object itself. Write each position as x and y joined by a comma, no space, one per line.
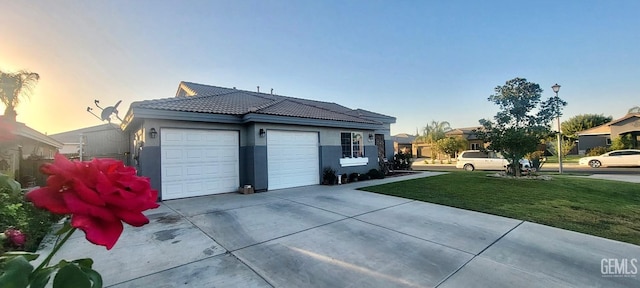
336,236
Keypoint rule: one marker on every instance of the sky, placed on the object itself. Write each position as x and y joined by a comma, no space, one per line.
418,61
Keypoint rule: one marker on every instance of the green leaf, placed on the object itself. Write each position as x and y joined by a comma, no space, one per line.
27,255
94,276
16,273
85,262
41,278
71,276
13,185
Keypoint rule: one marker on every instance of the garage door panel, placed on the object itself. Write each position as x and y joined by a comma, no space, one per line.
198,162
292,159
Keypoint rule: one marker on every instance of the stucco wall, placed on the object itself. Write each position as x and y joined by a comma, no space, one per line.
628,125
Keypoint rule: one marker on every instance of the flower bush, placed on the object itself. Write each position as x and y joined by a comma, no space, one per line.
98,195
16,213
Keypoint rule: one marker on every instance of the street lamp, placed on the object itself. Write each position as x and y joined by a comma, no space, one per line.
556,88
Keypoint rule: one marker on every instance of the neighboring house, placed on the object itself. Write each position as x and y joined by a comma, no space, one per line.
403,142
102,141
210,140
468,133
23,143
602,135
424,150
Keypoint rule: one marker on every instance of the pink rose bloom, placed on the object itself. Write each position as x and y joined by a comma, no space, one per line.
16,237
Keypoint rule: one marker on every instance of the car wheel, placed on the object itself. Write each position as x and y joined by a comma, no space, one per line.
595,163
469,167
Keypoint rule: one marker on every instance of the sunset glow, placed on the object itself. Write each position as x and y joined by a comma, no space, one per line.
417,61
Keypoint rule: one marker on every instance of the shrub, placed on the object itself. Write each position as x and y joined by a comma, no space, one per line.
329,176
375,174
353,177
535,158
622,142
363,177
16,212
402,161
597,151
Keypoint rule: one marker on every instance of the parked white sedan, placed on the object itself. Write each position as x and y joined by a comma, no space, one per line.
627,157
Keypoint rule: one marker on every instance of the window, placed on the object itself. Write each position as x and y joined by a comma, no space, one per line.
352,144
475,146
608,141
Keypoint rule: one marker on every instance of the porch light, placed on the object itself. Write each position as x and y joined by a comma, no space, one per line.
370,137
153,133
262,132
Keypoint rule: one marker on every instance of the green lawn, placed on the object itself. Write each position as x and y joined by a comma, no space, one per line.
566,159
603,208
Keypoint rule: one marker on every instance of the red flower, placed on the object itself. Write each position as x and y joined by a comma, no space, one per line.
16,237
99,194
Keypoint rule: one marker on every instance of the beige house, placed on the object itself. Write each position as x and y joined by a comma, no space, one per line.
21,144
469,134
423,150
403,142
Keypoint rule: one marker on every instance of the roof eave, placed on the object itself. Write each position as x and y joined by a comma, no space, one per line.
255,117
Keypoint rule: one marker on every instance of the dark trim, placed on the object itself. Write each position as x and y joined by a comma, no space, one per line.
252,117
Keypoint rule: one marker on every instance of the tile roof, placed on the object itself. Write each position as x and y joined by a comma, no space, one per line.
199,98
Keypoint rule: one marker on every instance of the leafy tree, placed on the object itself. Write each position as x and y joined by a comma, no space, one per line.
434,131
451,145
14,87
567,146
523,120
634,110
575,124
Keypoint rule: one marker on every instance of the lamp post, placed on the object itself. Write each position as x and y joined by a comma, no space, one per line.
556,88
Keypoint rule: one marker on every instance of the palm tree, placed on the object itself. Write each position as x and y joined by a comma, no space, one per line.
434,131
14,87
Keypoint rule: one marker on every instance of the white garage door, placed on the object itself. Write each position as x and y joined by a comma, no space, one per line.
292,159
198,162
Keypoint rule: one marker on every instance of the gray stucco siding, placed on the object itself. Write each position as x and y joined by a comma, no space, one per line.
586,142
330,156
149,166
253,170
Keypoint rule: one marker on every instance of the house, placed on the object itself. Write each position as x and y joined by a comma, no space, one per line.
19,143
209,140
424,150
403,142
469,134
601,136
101,141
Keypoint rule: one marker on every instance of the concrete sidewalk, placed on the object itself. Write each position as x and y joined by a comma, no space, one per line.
336,236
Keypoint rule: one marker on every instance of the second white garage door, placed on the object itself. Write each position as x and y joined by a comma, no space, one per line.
292,159
198,162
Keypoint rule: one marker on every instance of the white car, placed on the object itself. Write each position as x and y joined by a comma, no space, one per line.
627,157
470,160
